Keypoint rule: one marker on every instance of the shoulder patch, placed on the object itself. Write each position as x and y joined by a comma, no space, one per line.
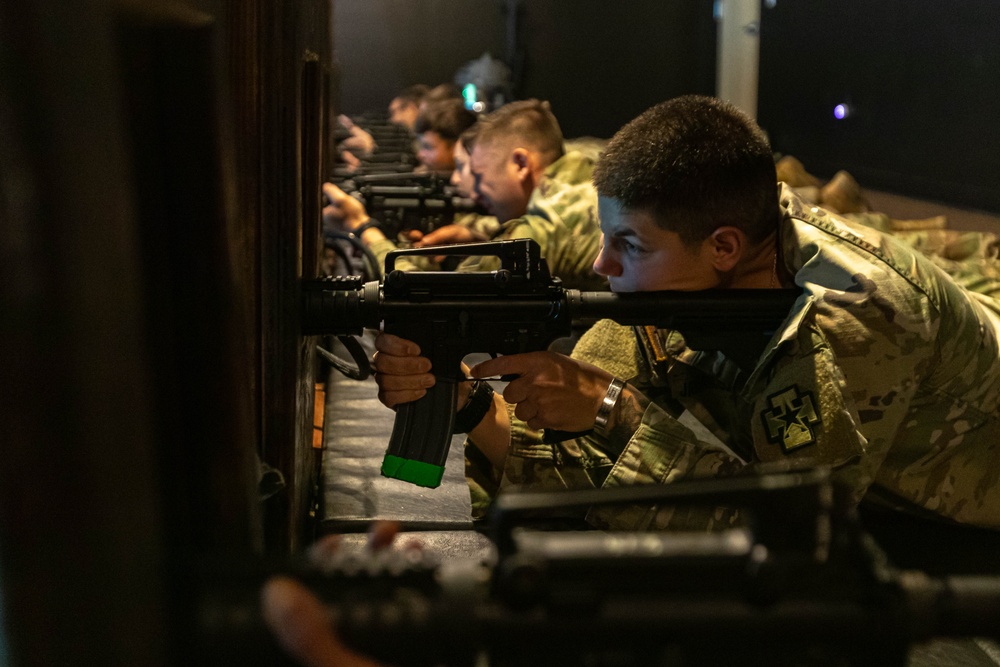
790,418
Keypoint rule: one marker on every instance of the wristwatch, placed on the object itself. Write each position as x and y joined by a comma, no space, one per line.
475,409
367,224
607,405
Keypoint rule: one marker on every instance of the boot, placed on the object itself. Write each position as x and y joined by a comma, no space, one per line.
792,172
843,195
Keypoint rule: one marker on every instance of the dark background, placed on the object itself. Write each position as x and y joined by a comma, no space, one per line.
920,76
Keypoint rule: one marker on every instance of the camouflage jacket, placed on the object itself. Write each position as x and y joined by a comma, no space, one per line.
561,217
885,370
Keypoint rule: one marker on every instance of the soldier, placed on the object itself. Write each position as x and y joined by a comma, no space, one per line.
885,369
467,227
524,178
969,257
438,128
404,107
440,93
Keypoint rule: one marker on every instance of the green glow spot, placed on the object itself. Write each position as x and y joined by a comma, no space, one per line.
415,472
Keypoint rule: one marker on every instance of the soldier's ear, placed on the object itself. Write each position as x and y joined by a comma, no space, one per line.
522,161
727,246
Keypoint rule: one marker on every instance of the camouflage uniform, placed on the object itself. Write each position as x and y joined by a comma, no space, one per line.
969,257
561,217
885,370
592,147
483,225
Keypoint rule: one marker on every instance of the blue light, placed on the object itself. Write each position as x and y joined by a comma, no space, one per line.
840,111
469,93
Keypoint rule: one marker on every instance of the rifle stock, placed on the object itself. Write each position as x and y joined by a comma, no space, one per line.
518,308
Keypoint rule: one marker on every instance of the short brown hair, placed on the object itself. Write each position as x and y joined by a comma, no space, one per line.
449,118
696,163
441,92
529,122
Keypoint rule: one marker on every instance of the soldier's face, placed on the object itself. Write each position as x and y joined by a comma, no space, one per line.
499,181
461,178
403,112
637,255
436,153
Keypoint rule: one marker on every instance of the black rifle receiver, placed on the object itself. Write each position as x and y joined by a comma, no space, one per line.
518,308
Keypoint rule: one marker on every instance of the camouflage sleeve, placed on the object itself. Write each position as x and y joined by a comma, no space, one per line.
802,412
656,450
835,392
659,451
485,225
841,397
579,463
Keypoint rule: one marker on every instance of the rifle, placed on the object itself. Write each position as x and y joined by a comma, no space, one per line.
404,201
798,583
342,173
518,308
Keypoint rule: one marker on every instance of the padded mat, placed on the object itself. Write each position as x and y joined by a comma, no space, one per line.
356,432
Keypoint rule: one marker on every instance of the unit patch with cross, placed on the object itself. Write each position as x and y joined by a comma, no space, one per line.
790,419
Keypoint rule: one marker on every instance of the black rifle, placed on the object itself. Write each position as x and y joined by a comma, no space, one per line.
401,201
518,308
798,583
345,173
409,201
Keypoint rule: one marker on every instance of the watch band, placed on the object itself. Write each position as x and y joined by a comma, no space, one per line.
366,225
607,405
475,409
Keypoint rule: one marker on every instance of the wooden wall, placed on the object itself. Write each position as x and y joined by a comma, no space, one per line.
159,198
